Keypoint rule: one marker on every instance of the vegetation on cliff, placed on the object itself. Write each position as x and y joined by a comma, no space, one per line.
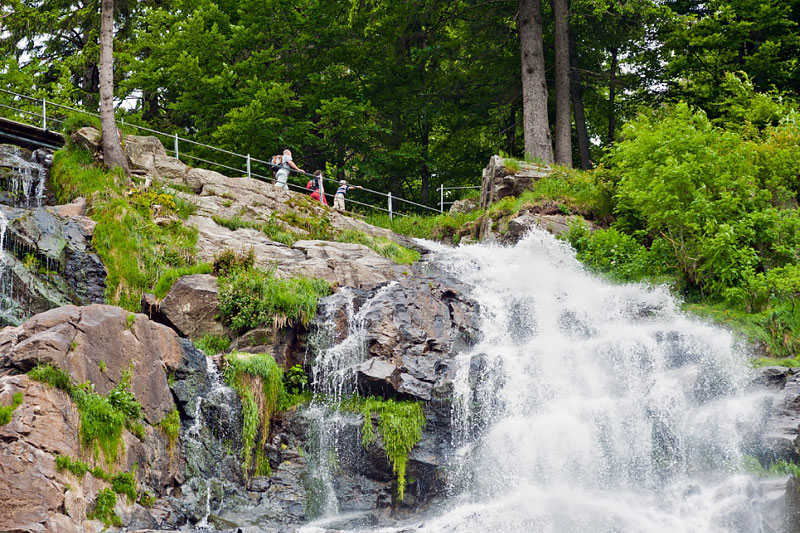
259,382
7,410
102,417
400,426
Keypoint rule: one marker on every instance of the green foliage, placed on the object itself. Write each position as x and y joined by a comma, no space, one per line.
253,298
135,250
146,499
400,426
7,410
228,261
75,466
212,344
102,418
295,380
170,425
272,229
168,278
75,173
397,253
259,382
125,483
104,508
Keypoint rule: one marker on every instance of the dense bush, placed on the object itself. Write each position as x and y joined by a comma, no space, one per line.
250,298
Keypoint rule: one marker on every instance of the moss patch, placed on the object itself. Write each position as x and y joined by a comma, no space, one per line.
211,344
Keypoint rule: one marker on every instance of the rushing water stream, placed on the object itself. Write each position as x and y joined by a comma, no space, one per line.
596,407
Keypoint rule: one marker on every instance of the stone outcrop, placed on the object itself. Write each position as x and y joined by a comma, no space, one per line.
781,434
192,306
98,343
415,326
500,181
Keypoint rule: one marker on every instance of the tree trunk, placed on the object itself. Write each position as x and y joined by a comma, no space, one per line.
112,149
576,88
534,86
612,94
563,139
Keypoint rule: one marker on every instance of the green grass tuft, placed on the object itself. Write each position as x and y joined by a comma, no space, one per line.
168,278
102,418
252,298
211,344
259,382
7,410
104,508
171,426
385,247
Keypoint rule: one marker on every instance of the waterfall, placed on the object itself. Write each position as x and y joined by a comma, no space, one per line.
593,407
596,407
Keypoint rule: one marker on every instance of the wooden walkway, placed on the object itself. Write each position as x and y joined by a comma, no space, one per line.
27,136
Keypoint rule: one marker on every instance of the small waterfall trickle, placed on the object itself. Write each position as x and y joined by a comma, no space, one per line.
24,177
6,279
334,380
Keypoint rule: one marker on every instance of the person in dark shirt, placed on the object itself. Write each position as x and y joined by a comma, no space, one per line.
338,199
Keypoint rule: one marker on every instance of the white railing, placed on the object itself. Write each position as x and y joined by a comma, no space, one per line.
442,190
247,160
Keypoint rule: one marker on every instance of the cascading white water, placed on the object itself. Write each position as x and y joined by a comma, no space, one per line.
27,178
596,407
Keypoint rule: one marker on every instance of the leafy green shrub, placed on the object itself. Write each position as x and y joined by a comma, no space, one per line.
400,426
253,298
7,410
75,121
259,382
168,278
228,261
212,344
104,508
295,380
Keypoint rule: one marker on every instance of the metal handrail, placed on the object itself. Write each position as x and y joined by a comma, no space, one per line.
177,139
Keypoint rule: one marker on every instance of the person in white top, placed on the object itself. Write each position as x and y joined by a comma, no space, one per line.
286,163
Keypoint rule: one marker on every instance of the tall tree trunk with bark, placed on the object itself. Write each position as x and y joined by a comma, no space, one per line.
612,94
576,88
563,139
534,86
112,149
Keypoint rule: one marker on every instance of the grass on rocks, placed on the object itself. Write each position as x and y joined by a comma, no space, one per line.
7,410
259,382
400,426
251,298
135,249
102,417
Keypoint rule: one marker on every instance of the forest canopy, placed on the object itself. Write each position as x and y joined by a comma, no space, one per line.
403,96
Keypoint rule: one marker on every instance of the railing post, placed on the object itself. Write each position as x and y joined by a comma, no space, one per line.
248,165
390,206
44,114
441,198
176,146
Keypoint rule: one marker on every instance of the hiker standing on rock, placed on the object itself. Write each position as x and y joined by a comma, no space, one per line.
285,163
338,199
317,188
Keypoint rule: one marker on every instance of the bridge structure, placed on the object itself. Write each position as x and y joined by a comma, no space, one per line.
27,120
28,136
